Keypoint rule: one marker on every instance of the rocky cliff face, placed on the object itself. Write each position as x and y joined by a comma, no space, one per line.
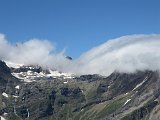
7,81
119,96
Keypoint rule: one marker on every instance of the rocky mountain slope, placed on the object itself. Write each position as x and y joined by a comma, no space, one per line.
32,93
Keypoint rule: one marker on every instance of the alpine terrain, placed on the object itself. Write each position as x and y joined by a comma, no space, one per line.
34,93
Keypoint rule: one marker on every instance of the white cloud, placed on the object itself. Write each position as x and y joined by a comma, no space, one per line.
124,54
32,52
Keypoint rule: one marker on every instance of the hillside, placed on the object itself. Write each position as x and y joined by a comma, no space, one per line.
119,96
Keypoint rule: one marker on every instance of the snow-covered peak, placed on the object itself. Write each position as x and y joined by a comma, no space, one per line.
30,73
34,73
13,65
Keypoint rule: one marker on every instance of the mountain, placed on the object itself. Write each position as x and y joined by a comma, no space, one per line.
35,93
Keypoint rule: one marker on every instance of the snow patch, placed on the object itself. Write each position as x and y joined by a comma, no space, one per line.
5,94
17,87
82,110
2,118
5,113
127,101
140,84
28,113
65,82
30,76
15,96
59,74
82,91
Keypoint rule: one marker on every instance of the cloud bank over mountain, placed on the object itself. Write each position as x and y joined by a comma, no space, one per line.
124,54
32,52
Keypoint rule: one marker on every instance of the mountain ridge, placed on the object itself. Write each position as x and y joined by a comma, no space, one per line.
119,96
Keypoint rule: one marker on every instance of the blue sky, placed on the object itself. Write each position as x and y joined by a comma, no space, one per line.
77,25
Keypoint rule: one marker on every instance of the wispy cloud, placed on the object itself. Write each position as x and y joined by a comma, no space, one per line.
124,54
